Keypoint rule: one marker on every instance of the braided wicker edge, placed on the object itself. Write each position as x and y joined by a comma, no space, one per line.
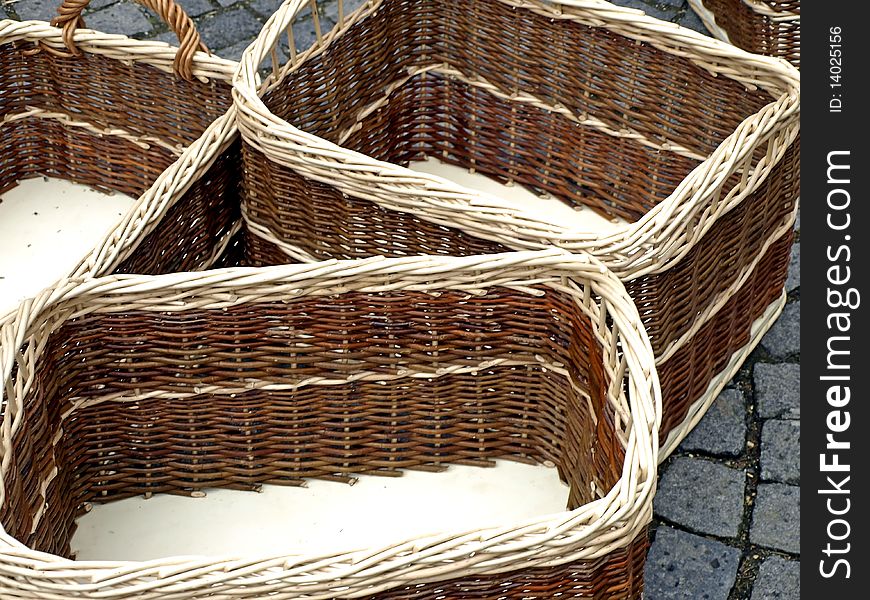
709,20
652,244
118,47
587,532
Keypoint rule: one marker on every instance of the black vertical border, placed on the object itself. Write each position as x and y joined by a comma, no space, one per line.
824,131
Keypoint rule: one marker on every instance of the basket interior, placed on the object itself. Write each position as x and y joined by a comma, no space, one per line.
95,120
577,112
128,402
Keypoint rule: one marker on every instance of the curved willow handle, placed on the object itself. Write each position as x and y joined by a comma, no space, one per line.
69,17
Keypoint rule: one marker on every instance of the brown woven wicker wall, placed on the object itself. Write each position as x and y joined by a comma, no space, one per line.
188,235
106,94
661,96
114,449
686,375
615,576
160,110
758,33
670,302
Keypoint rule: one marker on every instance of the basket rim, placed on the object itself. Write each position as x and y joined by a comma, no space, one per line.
651,244
595,528
155,53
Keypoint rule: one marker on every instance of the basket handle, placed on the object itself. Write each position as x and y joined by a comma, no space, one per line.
69,17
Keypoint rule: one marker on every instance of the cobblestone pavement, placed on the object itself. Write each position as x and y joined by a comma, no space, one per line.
728,506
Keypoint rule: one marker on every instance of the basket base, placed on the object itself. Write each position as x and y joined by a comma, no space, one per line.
544,207
696,412
324,516
46,226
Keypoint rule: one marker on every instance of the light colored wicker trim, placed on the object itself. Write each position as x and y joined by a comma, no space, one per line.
117,47
718,383
709,20
143,141
710,310
778,16
590,531
256,228
274,386
652,244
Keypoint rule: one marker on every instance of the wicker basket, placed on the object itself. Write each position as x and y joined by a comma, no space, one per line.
771,27
170,384
113,113
692,142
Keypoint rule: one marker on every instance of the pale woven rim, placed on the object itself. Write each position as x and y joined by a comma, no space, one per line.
117,47
590,531
652,244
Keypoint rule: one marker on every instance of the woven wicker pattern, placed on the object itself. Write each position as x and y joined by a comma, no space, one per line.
235,378
771,27
697,146
624,579
114,117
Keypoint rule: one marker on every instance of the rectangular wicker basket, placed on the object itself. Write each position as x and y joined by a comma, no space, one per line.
771,27
693,143
235,378
114,113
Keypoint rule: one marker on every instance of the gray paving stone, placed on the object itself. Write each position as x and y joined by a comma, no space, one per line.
722,431
781,451
663,12
167,36
778,390
776,518
226,3
195,8
41,10
682,565
265,8
329,11
784,338
235,51
226,29
778,579
305,34
793,281
98,4
717,509
691,20
123,17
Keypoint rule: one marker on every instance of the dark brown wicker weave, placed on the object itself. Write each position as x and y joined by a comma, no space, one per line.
109,112
770,27
403,80
237,378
